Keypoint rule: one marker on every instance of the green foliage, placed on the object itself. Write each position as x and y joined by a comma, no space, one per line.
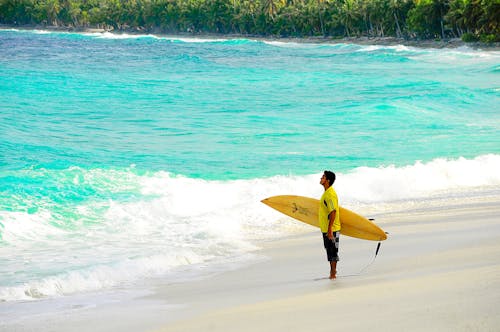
489,38
427,18
469,37
433,19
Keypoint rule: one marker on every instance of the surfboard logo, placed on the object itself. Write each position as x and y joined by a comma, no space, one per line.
300,209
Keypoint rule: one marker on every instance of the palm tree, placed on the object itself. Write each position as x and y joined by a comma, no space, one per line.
440,9
395,6
321,11
348,15
456,15
52,9
427,17
272,7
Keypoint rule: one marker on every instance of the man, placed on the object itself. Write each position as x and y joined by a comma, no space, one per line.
329,221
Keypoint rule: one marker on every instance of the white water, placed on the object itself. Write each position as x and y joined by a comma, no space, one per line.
177,223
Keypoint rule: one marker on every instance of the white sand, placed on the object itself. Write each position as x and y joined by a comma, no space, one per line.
438,271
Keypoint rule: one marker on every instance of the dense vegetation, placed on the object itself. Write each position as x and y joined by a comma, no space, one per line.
439,19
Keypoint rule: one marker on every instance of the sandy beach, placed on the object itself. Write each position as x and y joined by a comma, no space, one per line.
438,271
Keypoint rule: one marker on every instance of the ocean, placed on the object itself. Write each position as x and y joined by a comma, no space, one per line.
126,159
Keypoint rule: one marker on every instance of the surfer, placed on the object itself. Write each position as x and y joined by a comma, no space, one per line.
329,221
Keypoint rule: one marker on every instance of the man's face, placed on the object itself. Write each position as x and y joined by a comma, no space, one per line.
323,180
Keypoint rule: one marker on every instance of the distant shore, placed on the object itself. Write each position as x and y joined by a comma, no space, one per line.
384,41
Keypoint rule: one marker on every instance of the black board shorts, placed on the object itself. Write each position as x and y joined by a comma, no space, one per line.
332,247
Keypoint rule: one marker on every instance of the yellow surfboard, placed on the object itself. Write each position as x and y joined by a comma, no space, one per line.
305,209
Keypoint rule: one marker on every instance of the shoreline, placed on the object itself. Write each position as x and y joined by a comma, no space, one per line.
436,280
438,270
380,41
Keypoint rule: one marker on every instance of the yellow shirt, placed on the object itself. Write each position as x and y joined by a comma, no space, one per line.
327,204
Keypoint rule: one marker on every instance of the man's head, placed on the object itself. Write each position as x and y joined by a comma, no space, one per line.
330,177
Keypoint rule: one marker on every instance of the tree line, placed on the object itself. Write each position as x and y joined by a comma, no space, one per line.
425,19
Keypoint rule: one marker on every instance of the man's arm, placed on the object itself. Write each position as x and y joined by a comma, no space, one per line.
331,220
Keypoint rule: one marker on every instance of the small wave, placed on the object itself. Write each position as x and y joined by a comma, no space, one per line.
181,39
392,48
44,32
193,39
421,180
288,44
124,36
148,224
460,55
110,35
97,277
306,44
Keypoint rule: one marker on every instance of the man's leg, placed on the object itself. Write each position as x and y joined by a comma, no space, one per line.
335,255
333,269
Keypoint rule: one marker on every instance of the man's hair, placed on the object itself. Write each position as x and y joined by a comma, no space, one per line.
330,176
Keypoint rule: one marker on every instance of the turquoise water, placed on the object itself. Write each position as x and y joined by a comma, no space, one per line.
239,108
113,149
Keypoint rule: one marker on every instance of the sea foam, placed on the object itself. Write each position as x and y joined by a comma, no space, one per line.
174,222
420,180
